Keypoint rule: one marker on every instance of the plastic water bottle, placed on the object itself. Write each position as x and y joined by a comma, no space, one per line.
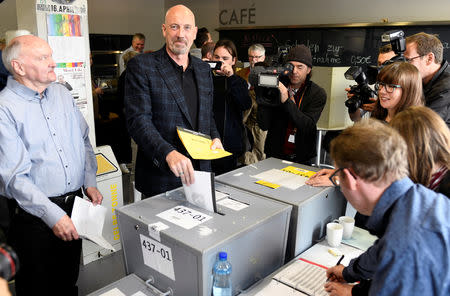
222,276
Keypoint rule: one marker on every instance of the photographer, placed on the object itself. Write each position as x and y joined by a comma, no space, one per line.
290,113
385,53
231,99
398,87
425,51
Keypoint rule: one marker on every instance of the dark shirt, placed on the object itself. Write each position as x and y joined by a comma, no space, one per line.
3,73
189,87
437,92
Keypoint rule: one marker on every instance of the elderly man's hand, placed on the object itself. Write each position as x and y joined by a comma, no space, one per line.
338,289
65,230
321,178
94,195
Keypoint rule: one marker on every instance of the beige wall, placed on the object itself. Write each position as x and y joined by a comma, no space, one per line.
146,16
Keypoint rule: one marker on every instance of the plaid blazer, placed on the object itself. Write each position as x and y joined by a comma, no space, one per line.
154,107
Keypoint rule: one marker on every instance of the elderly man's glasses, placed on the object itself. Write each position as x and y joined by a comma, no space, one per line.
387,86
335,179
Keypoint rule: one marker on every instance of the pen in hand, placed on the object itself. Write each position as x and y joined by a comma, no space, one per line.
339,262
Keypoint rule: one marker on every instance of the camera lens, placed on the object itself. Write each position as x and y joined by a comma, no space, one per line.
9,262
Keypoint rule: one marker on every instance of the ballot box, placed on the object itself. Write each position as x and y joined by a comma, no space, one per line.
109,183
313,207
130,285
175,244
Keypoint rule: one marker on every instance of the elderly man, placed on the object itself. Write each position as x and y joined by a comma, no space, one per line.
293,110
163,90
256,53
425,51
46,160
412,253
137,44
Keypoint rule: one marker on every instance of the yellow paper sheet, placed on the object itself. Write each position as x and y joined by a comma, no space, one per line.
198,145
298,171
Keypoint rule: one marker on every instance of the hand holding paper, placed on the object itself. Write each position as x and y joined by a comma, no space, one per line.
88,220
199,146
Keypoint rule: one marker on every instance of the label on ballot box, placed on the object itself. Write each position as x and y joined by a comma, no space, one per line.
157,256
184,217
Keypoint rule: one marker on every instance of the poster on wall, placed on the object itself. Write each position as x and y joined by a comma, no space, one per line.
67,39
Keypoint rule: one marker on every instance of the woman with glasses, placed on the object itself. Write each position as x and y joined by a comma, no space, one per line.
399,86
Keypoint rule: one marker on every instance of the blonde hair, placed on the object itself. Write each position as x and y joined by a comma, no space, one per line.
428,139
374,150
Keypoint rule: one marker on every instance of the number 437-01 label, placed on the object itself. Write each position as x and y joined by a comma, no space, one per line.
157,256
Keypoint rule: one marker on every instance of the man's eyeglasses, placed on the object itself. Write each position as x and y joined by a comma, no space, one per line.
255,57
411,59
335,179
387,86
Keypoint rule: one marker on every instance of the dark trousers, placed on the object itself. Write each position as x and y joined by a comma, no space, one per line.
48,265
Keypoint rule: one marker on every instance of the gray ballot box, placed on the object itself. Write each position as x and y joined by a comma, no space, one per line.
129,285
313,207
175,244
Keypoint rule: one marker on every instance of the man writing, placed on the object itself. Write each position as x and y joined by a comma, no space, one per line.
163,90
291,120
137,44
425,51
46,159
256,53
412,252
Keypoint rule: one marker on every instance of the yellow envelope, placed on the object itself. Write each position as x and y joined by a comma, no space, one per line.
198,145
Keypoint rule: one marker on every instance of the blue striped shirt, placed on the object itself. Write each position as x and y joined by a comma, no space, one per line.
44,148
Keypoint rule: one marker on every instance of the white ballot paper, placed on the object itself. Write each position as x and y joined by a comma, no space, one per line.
202,193
88,220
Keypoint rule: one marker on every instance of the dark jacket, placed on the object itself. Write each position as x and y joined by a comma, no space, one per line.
154,107
229,106
275,119
437,93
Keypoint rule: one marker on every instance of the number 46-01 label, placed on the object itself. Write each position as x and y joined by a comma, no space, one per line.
157,256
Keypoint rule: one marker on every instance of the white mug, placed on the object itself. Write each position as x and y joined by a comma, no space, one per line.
334,234
349,224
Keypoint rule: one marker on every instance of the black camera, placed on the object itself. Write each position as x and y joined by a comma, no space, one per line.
398,43
265,81
361,92
262,76
215,65
9,262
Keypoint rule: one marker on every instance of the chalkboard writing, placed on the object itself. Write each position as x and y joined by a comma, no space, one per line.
332,46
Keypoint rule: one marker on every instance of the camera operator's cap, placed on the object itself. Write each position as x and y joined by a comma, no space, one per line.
300,53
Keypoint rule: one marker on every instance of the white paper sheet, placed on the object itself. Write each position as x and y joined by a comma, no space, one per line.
277,288
113,292
200,193
279,177
232,204
88,220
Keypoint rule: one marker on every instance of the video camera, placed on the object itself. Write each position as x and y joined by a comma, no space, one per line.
9,262
362,92
261,76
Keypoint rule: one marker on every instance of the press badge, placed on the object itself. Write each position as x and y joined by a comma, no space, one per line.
291,138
